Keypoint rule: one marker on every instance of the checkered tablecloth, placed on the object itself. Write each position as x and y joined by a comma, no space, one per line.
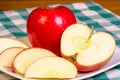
13,25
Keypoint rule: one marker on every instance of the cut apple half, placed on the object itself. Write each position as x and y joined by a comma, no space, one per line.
27,57
51,67
7,56
87,50
9,42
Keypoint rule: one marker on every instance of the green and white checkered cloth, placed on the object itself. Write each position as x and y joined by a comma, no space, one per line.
13,25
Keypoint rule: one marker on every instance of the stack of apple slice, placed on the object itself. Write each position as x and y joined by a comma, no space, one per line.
26,57
34,62
42,63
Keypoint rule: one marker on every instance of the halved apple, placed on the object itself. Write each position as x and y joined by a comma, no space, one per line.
26,57
86,49
9,42
7,56
51,67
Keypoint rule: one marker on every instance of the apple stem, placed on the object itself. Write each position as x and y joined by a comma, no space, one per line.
92,31
73,57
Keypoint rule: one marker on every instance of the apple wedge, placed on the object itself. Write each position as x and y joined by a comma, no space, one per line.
86,49
9,42
27,57
7,56
51,67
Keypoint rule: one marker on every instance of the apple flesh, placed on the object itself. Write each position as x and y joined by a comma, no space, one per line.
51,67
47,79
87,50
46,25
9,42
27,57
7,56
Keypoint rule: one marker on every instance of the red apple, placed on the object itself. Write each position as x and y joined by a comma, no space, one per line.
46,25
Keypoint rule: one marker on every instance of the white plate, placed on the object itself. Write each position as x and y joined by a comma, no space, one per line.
114,61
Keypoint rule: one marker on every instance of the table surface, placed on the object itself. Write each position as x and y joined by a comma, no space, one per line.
113,5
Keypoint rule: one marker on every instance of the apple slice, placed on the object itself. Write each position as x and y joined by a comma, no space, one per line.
8,55
87,50
9,42
51,67
27,57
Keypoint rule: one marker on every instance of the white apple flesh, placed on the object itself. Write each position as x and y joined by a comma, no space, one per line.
26,57
9,42
87,50
7,56
51,67
47,79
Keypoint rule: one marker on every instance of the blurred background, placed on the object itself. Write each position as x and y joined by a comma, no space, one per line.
113,5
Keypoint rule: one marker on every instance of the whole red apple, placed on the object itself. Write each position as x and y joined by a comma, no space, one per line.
46,25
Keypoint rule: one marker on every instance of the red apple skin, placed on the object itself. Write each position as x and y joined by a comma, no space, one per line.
46,25
14,70
84,68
